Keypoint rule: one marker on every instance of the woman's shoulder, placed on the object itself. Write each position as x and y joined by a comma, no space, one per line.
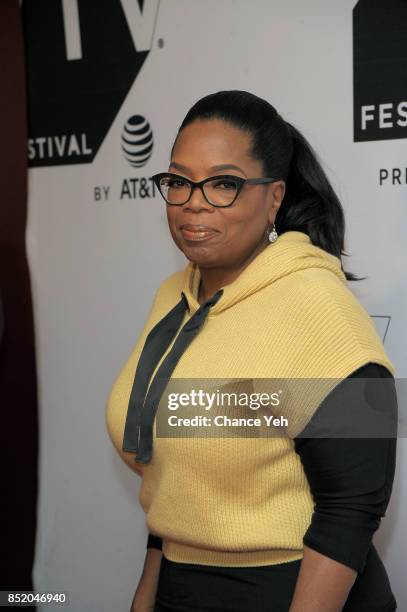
169,290
332,321
320,290
173,281
167,294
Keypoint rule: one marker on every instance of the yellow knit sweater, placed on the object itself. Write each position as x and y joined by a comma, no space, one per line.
246,501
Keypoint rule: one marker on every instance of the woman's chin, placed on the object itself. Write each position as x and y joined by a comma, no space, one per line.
200,255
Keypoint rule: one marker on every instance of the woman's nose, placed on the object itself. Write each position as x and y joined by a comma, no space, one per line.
198,200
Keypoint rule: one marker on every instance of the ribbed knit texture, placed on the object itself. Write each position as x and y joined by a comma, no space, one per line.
246,501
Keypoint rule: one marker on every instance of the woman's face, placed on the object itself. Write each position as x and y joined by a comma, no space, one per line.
239,230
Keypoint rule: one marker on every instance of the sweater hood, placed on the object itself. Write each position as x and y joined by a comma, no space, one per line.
292,251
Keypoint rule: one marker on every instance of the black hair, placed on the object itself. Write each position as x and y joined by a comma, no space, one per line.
310,204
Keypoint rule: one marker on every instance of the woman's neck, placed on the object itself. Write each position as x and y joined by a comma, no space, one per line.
212,279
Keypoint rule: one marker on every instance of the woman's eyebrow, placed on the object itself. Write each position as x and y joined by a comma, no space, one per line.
212,169
226,167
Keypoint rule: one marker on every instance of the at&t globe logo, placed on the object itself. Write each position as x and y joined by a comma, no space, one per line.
137,141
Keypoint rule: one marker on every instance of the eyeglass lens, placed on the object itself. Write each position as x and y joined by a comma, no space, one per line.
220,192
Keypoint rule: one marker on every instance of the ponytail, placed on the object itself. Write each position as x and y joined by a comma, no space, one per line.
310,204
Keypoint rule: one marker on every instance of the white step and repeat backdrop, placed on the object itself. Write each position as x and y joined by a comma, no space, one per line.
98,240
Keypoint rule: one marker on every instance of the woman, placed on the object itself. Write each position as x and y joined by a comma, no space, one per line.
250,523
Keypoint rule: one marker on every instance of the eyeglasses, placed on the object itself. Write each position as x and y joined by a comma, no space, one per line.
220,191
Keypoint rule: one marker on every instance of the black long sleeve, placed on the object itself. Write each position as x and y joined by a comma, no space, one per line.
351,479
154,541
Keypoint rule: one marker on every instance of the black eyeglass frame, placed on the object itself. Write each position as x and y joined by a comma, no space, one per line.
240,181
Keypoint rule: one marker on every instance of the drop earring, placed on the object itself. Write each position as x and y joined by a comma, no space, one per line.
273,234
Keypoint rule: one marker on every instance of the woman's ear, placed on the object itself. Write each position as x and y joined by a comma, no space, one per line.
278,189
276,197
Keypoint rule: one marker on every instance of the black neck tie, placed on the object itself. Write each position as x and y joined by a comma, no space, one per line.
138,431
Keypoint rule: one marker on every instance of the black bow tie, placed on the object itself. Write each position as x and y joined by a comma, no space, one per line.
138,431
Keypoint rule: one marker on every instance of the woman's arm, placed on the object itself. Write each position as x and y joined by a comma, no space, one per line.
351,481
144,597
323,584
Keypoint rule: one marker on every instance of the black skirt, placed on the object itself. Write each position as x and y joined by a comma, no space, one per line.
188,587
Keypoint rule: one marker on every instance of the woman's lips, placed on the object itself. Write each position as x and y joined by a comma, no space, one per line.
197,235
